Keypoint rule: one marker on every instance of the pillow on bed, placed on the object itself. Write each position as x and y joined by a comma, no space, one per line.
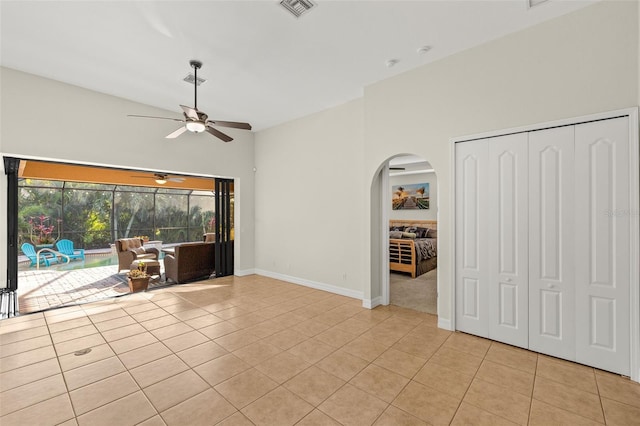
433,233
410,229
422,232
395,234
411,235
396,228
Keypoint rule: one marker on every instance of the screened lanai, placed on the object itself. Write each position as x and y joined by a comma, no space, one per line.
93,215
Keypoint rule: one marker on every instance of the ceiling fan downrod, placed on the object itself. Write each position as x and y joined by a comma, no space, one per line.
196,65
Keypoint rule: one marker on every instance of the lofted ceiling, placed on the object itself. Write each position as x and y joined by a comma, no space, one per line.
263,66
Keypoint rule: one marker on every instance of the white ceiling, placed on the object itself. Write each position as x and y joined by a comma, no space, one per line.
263,65
409,164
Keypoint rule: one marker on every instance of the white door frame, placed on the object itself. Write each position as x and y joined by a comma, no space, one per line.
385,202
634,213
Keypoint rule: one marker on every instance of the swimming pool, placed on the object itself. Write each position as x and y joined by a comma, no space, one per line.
90,261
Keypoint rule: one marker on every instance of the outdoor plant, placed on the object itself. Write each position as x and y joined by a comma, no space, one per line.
40,230
141,272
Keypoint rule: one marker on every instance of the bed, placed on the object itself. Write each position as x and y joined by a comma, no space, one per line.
413,255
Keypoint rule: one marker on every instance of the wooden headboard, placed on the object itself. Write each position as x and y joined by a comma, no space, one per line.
432,224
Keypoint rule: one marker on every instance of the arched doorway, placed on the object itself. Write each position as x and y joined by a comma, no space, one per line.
405,217
413,215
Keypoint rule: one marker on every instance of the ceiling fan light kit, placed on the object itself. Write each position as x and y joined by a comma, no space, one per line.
161,178
195,126
197,121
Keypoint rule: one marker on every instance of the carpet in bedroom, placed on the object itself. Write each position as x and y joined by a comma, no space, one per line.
420,293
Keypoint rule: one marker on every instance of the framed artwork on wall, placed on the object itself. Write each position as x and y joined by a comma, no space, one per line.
414,196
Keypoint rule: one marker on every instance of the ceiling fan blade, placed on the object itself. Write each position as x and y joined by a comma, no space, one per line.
177,133
158,118
190,112
218,134
175,179
234,124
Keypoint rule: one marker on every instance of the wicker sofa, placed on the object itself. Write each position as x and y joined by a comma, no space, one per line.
130,249
190,262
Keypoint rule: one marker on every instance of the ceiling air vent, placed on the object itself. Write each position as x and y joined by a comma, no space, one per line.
297,7
191,78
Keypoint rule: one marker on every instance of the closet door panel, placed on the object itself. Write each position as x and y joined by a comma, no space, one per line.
551,217
508,239
471,237
602,244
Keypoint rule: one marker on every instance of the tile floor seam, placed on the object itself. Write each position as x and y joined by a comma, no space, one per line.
233,414
116,400
155,360
553,379
31,405
114,351
180,402
382,412
604,413
106,403
213,386
64,379
25,350
483,409
533,389
159,413
388,403
317,407
556,404
470,383
406,384
570,412
425,363
35,403
327,397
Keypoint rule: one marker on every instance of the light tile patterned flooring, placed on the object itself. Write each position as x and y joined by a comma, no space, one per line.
253,350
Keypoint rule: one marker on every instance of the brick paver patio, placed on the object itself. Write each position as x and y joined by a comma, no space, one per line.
48,288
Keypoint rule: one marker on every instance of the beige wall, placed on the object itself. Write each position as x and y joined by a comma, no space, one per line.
310,188
581,63
43,118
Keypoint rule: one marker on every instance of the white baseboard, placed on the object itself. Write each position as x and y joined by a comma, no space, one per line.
444,323
244,272
371,303
313,284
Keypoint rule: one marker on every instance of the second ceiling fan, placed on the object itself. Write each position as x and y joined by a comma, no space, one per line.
197,121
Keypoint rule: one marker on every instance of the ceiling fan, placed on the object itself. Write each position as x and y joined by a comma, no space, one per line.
197,121
161,178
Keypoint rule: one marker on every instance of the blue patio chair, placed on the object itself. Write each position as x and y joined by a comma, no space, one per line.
46,258
66,247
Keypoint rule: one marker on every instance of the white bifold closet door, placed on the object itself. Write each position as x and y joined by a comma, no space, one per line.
508,243
472,256
543,241
551,242
602,244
